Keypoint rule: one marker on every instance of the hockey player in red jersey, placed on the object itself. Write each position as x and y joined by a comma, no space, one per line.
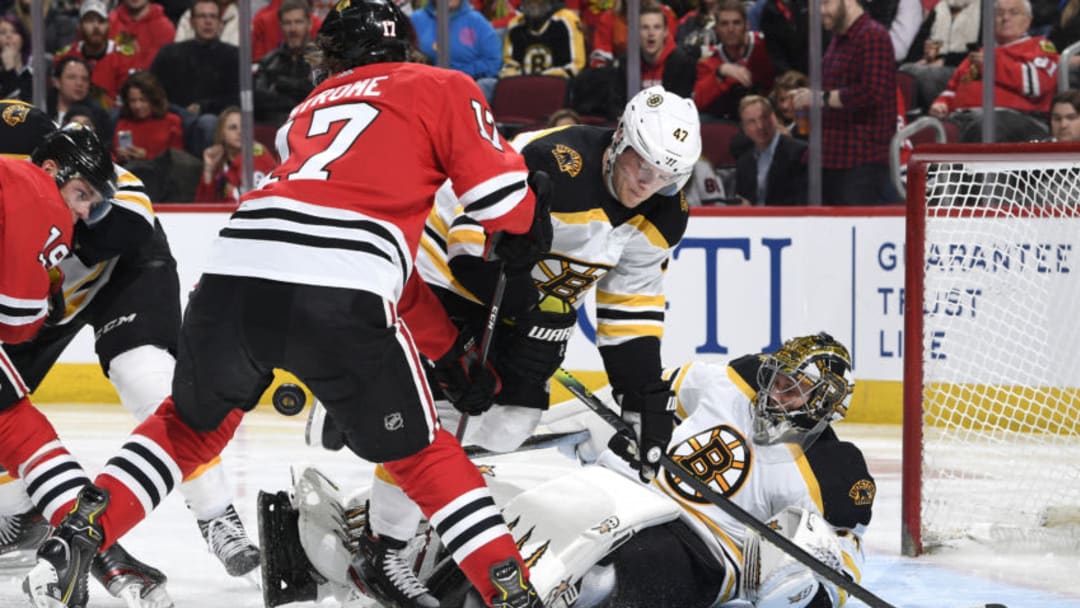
121,281
41,202
306,276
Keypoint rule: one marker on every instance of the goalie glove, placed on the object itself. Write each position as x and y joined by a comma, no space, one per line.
651,411
469,384
520,252
773,579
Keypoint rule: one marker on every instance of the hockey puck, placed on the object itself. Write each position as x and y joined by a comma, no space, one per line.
289,399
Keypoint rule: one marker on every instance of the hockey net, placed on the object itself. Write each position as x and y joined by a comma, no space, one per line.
992,349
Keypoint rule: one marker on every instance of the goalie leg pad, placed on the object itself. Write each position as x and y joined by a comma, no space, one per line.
286,571
772,578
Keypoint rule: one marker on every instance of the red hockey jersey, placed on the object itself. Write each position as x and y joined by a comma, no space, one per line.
1025,77
362,158
720,96
35,234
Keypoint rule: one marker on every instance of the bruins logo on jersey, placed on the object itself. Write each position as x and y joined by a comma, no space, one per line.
720,457
565,279
16,113
568,159
863,492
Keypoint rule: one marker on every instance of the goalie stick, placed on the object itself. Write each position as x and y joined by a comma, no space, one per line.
621,427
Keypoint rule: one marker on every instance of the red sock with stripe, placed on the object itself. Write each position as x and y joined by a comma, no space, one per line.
452,494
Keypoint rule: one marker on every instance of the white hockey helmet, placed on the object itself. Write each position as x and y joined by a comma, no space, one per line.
664,129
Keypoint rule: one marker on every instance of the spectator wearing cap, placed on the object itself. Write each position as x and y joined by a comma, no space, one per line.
16,82
143,25
199,75
230,24
60,27
71,86
110,62
266,32
283,77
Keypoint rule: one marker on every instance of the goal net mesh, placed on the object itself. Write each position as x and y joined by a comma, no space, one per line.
1001,354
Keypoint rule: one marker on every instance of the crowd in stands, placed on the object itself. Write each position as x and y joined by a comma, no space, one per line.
159,78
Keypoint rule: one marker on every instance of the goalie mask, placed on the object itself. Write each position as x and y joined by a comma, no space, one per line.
664,130
804,387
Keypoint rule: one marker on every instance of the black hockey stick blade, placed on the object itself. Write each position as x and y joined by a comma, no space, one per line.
856,590
536,442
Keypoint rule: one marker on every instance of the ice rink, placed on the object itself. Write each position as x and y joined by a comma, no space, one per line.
267,444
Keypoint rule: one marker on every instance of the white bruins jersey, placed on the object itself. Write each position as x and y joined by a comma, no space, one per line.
131,208
597,242
713,438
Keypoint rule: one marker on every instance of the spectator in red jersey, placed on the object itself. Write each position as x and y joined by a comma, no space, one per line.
266,30
143,23
858,106
738,67
110,62
16,82
146,127
1025,77
609,37
71,87
223,162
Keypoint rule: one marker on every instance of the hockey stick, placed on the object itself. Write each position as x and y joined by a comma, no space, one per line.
536,442
594,403
492,319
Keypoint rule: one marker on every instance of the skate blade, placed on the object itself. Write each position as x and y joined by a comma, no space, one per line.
156,597
254,577
37,583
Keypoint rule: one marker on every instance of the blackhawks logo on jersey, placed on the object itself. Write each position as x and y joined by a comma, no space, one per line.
719,456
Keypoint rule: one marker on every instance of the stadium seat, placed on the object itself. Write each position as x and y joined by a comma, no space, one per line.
716,142
527,101
906,83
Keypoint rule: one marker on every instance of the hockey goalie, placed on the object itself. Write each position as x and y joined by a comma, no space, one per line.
757,430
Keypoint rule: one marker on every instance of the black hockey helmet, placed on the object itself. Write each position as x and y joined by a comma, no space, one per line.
78,152
360,32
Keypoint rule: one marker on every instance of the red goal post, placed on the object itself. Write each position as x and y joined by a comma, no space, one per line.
991,437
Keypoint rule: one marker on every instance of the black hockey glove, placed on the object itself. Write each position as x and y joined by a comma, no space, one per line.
469,385
652,412
536,345
520,252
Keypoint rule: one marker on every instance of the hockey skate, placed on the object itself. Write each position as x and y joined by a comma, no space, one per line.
381,570
20,536
514,591
226,538
63,560
123,576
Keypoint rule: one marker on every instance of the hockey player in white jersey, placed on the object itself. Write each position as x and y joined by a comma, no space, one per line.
757,430
617,213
